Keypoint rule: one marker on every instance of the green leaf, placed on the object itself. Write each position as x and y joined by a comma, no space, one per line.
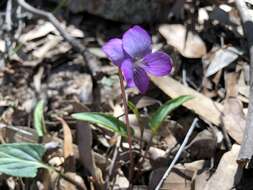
39,123
103,120
134,109
21,159
159,116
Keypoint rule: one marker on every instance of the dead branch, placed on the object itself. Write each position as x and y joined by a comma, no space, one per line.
246,14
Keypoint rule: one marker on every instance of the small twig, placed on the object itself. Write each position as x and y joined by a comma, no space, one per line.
129,136
178,153
113,163
246,14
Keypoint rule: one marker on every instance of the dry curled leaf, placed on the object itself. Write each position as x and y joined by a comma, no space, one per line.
221,58
186,42
68,146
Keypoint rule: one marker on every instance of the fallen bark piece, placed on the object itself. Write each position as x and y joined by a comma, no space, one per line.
206,108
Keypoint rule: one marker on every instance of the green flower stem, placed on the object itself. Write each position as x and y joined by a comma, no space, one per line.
129,137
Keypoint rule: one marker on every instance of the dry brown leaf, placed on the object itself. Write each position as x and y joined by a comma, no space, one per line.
225,175
221,58
233,119
39,31
208,109
68,151
190,47
231,80
51,43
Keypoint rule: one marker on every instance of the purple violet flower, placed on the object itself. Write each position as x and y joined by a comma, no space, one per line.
134,56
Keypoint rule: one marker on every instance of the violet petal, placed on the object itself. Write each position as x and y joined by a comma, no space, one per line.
136,42
157,63
114,51
141,79
127,70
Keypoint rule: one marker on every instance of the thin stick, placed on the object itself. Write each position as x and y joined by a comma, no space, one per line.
246,151
178,153
129,138
113,163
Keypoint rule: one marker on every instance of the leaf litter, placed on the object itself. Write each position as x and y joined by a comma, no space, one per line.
210,64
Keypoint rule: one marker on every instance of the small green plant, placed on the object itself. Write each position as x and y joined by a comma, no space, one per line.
161,113
112,123
24,160
103,120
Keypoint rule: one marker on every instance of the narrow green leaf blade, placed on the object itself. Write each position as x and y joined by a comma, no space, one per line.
134,109
103,120
39,118
21,159
159,116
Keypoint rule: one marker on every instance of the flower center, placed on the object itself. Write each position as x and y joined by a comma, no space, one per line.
138,62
